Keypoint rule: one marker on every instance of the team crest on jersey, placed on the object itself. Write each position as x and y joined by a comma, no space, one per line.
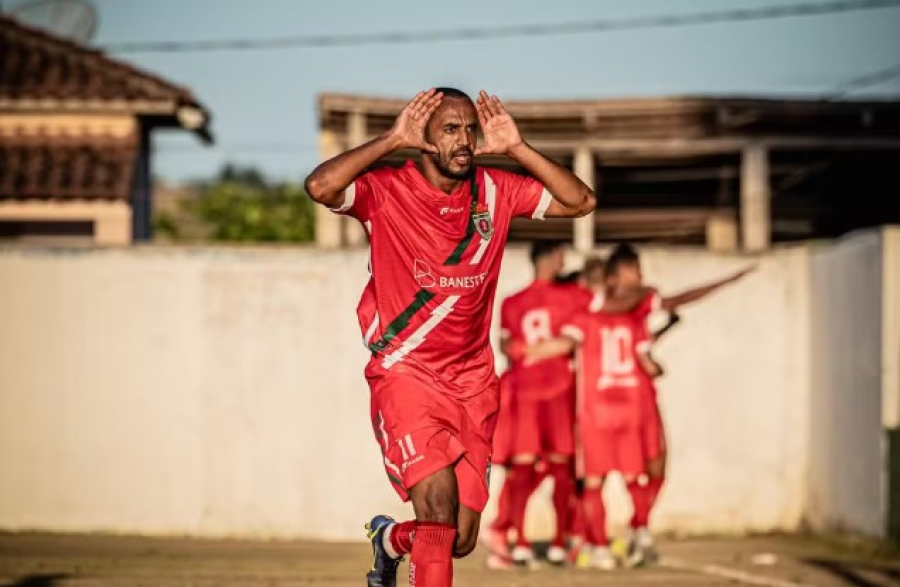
483,224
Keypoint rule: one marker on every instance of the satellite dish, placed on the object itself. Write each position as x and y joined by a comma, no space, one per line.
75,20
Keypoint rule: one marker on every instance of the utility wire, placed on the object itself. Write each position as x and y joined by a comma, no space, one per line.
862,82
776,11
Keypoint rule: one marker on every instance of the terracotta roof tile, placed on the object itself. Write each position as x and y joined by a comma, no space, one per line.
37,66
65,166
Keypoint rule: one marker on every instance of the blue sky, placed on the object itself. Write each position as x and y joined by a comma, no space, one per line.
263,102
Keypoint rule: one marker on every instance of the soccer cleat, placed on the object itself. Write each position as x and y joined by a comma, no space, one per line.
523,556
384,566
496,562
602,558
583,557
557,555
641,551
497,542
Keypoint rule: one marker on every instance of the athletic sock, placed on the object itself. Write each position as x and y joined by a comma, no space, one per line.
654,486
503,521
640,501
521,487
398,538
431,560
595,517
563,486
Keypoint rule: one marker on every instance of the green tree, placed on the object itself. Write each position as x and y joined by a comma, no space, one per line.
241,205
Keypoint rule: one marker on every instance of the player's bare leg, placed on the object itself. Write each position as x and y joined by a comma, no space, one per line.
522,484
595,553
560,468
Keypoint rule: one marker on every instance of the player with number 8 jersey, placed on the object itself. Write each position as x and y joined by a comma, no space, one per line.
437,230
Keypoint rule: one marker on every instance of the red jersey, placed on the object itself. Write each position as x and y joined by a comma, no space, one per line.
533,315
610,376
651,303
434,264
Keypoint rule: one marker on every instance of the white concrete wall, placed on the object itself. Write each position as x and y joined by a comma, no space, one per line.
219,392
847,482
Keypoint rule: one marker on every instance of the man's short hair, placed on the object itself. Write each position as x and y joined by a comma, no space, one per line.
623,254
594,263
542,248
570,277
453,93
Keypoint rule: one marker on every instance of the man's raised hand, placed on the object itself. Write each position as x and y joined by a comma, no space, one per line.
499,129
409,128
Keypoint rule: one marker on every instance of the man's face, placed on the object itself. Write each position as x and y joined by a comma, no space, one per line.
629,275
452,129
595,278
557,259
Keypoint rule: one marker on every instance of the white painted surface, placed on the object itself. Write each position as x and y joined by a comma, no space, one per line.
846,484
220,392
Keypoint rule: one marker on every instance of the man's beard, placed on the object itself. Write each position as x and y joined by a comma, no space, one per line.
444,165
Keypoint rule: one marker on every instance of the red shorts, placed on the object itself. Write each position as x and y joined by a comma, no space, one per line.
652,432
502,444
604,450
544,427
422,430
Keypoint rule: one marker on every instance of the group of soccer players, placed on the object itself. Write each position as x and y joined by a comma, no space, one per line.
578,403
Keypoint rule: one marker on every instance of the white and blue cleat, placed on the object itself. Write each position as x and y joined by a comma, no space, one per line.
384,566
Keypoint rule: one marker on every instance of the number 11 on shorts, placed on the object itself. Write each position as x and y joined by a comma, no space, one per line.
407,448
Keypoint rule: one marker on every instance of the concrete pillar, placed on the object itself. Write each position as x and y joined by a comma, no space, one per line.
722,231
890,331
113,226
583,166
755,199
328,224
354,235
890,373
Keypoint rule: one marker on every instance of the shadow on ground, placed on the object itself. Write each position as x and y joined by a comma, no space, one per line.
858,574
45,580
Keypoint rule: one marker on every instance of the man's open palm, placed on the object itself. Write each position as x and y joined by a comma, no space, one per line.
409,127
499,129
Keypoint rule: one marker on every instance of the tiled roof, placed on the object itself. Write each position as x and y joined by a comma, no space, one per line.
41,72
60,166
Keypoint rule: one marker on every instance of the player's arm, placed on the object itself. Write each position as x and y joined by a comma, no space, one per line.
511,347
327,182
571,196
674,319
550,348
625,301
670,303
649,365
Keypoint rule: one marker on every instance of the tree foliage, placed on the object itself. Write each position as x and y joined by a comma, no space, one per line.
242,205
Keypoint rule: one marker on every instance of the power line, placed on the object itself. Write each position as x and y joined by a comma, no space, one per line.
864,81
238,147
505,32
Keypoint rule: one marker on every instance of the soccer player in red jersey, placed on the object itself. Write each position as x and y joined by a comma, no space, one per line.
437,232
542,392
624,274
612,360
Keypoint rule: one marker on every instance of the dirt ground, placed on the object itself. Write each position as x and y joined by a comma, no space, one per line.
40,560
